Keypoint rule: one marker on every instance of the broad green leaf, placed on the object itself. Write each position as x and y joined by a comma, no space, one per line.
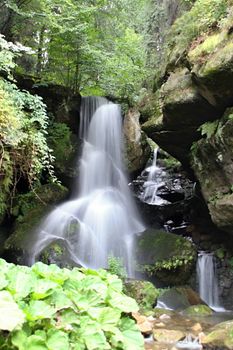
44,288
67,318
115,282
85,301
97,341
133,339
36,342
21,282
106,317
38,310
50,272
11,316
60,300
19,339
57,340
122,302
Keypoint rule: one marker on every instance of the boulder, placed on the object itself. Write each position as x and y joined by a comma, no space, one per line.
220,337
168,335
198,310
179,298
213,155
144,292
166,256
137,147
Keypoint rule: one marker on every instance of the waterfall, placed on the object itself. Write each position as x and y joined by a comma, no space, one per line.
154,180
207,280
102,220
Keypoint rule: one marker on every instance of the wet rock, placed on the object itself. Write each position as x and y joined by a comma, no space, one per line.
144,292
180,298
167,256
220,337
143,323
198,310
167,336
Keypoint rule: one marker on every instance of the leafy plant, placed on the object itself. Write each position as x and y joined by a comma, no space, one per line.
116,266
48,308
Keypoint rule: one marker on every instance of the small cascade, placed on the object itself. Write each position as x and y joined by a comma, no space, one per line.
102,220
207,280
153,182
189,343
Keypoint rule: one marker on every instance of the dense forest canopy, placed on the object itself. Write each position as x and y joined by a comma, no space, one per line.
95,47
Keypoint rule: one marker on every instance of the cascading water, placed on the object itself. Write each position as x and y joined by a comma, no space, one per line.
207,280
153,182
102,221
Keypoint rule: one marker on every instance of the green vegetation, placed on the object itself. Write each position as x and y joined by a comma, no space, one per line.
61,309
91,47
116,267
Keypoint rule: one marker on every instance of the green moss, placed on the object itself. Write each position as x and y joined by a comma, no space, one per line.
60,140
221,59
144,292
207,47
167,256
198,310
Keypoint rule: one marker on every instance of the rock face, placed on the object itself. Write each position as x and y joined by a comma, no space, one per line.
213,155
166,256
137,148
193,121
220,336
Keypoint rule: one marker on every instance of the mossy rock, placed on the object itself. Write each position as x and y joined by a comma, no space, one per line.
198,310
29,210
56,253
144,292
179,298
220,336
167,256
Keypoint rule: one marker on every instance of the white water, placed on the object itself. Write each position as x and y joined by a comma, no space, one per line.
207,280
189,343
153,182
102,220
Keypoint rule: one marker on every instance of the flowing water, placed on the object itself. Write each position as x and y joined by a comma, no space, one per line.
207,280
155,179
102,220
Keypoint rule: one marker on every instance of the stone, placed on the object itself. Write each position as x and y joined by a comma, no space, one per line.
180,298
198,310
213,155
137,147
167,336
144,292
143,323
220,336
167,256
196,327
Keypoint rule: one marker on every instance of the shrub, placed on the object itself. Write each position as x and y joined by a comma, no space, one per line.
48,308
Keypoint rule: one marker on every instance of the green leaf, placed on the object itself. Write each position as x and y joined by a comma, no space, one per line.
38,310
122,302
107,317
50,272
43,289
36,342
57,340
21,282
11,316
19,339
133,339
67,318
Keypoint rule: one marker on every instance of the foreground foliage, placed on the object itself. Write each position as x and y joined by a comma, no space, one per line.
48,308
